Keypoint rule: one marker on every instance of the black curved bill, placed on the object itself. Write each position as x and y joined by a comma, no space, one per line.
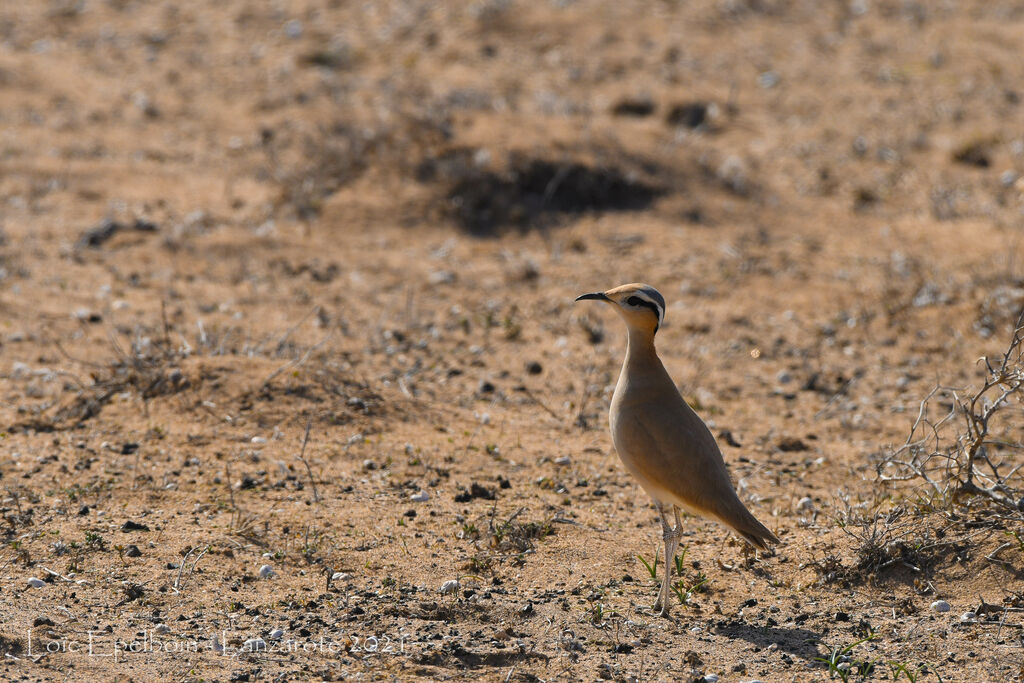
599,296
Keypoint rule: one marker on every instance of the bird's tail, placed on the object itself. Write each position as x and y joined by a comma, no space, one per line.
761,538
747,527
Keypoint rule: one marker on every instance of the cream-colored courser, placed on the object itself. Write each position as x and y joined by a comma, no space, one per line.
661,441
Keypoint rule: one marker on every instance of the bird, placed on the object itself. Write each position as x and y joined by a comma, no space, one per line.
661,441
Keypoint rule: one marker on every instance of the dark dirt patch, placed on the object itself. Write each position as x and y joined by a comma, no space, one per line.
535,192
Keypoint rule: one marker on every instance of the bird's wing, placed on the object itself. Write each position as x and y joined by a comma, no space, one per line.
672,448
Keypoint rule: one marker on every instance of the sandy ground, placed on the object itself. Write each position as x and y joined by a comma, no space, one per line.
226,223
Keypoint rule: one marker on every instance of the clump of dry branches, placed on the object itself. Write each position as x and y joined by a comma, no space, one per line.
972,448
900,537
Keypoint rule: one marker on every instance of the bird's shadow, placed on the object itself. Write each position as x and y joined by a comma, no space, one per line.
795,641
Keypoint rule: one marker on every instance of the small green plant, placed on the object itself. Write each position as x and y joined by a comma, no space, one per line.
840,663
680,559
652,569
685,594
896,669
94,541
1017,537
478,564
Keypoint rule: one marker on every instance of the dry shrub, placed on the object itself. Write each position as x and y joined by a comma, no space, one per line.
891,536
149,368
970,448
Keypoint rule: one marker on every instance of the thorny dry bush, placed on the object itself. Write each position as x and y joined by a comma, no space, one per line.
887,536
971,485
148,368
153,362
973,449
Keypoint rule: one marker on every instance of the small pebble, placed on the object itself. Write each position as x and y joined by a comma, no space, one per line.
711,678
276,634
266,571
563,460
449,586
259,440
940,606
36,583
162,628
768,79
968,617
805,504
339,576
420,497
442,277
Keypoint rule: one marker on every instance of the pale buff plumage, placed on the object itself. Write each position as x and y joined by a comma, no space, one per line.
661,441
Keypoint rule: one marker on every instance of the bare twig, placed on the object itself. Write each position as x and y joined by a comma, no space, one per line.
298,361
962,455
309,470
530,395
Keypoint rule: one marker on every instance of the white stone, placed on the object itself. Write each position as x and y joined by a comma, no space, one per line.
420,497
339,576
162,628
940,606
968,617
276,634
449,586
266,571
36,583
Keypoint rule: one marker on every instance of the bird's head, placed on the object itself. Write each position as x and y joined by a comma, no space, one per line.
641,306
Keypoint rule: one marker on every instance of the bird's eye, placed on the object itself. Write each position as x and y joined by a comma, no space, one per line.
634,301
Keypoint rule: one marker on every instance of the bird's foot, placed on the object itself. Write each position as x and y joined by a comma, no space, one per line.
661,608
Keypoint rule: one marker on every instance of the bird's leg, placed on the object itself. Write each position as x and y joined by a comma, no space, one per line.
671,537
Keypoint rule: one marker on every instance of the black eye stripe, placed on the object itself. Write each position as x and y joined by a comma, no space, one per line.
637,301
